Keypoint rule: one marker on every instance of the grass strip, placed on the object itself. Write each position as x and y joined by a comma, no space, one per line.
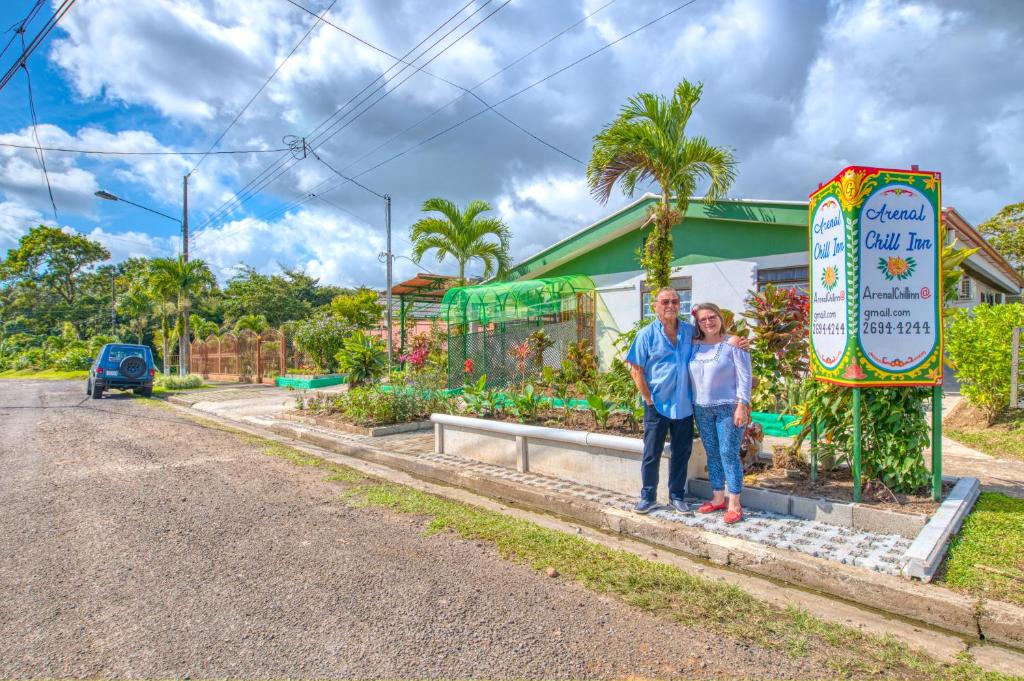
987,555
1003,444
654,587
45,374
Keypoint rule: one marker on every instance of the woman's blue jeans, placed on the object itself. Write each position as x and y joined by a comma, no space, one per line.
721,439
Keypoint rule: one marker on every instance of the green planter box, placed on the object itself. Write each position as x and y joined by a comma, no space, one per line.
777,425
309,382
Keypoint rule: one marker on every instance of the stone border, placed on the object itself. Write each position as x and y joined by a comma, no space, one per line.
929,548
375,431
935,605
508,444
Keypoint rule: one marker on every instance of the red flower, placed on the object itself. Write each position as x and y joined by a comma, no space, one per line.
469,366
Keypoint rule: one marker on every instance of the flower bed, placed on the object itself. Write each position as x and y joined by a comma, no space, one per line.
372,407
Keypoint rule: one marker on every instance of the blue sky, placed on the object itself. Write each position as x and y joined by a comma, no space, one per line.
798,89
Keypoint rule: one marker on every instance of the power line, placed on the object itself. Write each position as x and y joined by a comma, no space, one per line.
58,14
35,132
19,27
528,87
420,69
256,184
111,152
271,215
262,87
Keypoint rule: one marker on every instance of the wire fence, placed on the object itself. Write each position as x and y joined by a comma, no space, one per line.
245,356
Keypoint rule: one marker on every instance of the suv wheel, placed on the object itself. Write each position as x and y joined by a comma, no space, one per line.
88,387
147,391
97,392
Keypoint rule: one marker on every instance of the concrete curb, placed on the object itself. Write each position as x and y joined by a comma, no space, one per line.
934,605
376,431
926,553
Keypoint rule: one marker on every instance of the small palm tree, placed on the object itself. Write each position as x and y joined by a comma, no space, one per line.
187,281
648,142
203,328
256,323
462,235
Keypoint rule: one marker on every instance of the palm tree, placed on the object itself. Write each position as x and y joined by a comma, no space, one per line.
137,306
462,235
648,142
203,328
256,323
188,281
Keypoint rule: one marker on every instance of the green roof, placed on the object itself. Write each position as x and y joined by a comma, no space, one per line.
505,301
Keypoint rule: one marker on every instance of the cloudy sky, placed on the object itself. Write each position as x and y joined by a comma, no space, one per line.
797,88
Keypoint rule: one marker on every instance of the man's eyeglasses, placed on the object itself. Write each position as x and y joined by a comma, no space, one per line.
669,303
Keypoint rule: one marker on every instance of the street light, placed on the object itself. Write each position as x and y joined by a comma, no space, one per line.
111,197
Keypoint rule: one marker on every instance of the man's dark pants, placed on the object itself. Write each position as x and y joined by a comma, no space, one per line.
656,427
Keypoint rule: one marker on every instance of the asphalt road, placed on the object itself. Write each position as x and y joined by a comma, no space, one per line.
135,542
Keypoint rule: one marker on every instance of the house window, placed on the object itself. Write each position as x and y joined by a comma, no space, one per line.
966,288
784,277
682,285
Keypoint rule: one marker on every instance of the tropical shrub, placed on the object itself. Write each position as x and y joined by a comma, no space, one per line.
427,360
321,337
600,407
180,382
526,404
373,407
582,362
979,347
479,400
362,358
73,359
780,345
894,431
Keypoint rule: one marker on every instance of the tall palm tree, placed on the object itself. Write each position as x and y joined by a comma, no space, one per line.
137,306
462,235
188,281
647,141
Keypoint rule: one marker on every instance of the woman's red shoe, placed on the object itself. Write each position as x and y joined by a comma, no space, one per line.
708,507
733,517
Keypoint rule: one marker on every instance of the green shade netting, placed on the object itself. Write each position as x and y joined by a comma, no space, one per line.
506,301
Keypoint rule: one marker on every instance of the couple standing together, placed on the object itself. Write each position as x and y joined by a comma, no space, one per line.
685,371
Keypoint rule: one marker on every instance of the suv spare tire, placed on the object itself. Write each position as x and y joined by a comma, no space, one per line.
133,367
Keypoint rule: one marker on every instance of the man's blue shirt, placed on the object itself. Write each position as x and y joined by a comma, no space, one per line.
666,367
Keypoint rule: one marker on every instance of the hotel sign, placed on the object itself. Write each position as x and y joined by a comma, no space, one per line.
876,279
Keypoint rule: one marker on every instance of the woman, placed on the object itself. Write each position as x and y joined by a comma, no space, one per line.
720,376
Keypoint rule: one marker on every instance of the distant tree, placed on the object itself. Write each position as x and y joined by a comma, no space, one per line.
646,142
42,273
278,298
188,281
360,309
136,309
462,235
1005,231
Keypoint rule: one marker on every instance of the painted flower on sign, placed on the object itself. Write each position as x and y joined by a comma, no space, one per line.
896,267
830,277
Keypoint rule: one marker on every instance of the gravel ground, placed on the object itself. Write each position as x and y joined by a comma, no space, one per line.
136,543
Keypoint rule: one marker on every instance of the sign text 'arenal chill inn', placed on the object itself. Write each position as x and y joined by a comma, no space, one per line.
876,290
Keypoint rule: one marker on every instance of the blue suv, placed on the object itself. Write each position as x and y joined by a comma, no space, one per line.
123,367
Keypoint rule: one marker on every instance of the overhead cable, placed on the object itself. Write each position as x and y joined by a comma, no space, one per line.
58,14
263,179
35,134
19,26
113,152
262,87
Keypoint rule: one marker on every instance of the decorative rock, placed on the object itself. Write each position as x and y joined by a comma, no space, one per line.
551,572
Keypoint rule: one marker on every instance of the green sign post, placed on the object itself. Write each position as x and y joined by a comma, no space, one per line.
876,289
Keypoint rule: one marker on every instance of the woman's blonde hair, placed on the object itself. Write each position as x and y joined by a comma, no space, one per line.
711,307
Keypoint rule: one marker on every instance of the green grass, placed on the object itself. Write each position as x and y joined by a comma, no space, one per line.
1004,438
651,586
987,556
45,374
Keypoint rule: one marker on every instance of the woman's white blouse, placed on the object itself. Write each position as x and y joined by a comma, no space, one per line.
719,374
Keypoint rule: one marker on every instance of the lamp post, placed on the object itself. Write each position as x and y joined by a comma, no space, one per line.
107,196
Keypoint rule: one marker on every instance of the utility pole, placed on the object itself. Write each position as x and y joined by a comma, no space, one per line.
387,230
113,306
184,220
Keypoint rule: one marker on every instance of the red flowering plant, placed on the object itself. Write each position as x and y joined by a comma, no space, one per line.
779,350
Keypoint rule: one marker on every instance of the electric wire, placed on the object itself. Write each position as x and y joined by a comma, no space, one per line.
260,181
515,94
19,26
420,69
35,133
112,152
319,187
58,14
262,87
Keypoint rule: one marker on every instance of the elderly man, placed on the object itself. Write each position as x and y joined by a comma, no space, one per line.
658,361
